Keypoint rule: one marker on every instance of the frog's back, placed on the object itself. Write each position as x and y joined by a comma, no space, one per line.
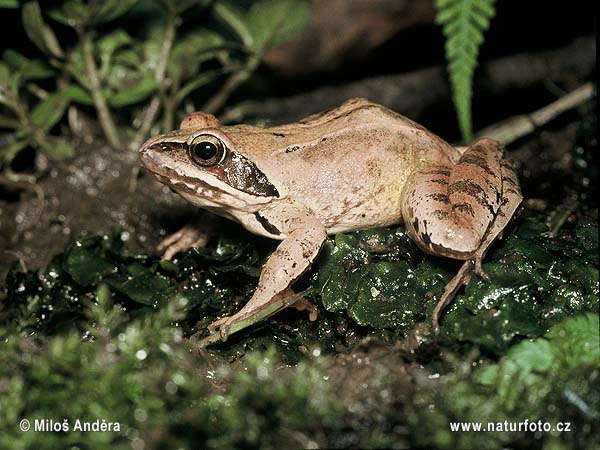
348,165
353,171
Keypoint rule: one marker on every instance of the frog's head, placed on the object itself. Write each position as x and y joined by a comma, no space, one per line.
199,162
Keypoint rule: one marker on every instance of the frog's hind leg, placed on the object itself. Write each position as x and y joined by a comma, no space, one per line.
458,211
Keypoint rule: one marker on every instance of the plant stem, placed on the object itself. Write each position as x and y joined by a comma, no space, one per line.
217,101
169,113
159,76
106,121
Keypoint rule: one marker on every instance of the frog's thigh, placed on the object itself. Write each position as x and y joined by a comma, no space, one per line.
511,199
449,209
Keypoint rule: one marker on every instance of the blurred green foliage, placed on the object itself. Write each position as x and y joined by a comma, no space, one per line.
106,334
132,64
552,379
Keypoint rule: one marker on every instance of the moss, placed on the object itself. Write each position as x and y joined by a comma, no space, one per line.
549,379
141,374
537,280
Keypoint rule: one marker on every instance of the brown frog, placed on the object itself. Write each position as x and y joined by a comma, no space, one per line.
357,166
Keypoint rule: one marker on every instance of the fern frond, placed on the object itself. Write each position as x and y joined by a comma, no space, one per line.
463,22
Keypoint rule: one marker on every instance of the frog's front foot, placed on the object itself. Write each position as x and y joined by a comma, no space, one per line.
182,240
286,299
223,325
462,278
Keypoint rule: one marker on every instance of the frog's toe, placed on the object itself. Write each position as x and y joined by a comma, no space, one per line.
222,326
182,240
478,270
304,305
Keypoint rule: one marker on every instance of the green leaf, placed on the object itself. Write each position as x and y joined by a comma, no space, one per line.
566,346
190,52
463,23
235,18
273,22
8,152
55,147
179,6
112,9
4,74
9,3
29,69
73,13
80,95
108,45
50,110
85,266
38,31
128,96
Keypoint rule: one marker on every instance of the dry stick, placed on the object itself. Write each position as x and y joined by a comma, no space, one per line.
106,121
508,131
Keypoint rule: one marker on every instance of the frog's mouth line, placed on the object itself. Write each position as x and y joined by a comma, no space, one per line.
200,192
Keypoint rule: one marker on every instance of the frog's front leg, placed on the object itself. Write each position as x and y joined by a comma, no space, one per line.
289,261
459,211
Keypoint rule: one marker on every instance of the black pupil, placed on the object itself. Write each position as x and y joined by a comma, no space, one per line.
205,150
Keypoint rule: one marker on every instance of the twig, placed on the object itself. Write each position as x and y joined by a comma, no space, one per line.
159,76
558,217
106,121
20,181
516,127
19,257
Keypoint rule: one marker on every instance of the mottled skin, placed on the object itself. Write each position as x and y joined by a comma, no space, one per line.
356,166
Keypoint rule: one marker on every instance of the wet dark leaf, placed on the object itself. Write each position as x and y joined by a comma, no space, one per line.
85,263
142,285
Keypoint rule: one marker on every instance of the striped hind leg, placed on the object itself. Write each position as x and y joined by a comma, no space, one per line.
458,211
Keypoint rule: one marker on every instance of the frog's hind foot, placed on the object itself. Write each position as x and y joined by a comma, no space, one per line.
462,278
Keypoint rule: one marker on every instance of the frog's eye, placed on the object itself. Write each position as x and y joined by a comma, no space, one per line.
206,150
